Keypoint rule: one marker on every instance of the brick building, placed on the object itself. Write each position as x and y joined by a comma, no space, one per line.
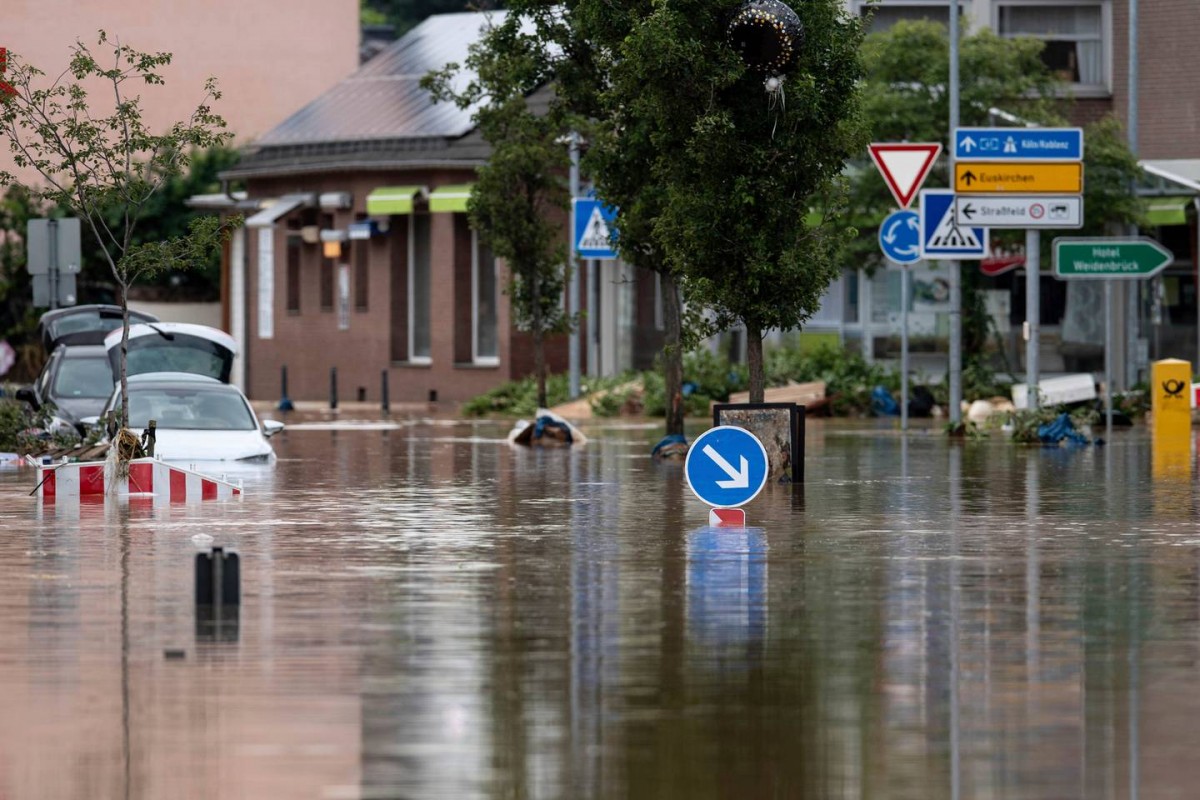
357,252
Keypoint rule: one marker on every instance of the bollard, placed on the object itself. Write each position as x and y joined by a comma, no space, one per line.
149,437
362,394
383,393
333,387
218,595
433,395
285,402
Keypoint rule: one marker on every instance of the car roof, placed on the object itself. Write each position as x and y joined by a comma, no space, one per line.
173,377
84,351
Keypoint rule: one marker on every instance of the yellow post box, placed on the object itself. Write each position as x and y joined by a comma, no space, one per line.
1171,405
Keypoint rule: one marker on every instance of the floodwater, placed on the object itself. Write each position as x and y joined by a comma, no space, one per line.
429,613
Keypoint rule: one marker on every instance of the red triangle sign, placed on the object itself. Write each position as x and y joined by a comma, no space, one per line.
904,166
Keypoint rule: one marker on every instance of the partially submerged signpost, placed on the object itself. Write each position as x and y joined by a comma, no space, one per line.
1107,259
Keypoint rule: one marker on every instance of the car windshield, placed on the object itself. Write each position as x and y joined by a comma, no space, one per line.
83,377
189,408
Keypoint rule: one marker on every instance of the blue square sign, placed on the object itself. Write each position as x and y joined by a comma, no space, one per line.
942,238
595,229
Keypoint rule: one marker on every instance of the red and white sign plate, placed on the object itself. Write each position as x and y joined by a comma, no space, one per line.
727,517
904,166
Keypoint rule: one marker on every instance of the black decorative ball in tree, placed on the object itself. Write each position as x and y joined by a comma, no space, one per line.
767,35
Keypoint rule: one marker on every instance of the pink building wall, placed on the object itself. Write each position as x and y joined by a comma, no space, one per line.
270,57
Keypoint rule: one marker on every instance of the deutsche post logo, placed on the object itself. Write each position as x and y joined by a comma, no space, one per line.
1173,388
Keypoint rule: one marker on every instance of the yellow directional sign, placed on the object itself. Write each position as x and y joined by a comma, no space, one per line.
980,177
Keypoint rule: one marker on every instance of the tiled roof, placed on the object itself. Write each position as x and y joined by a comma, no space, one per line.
383,99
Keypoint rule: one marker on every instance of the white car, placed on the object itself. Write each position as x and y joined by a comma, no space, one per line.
197,418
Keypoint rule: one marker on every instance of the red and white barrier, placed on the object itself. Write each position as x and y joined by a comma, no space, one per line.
148,479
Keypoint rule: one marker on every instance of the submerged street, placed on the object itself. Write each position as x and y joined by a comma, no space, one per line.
428,612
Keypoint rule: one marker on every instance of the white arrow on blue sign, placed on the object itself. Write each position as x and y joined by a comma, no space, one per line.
726,466
595,229
900,237
1018,144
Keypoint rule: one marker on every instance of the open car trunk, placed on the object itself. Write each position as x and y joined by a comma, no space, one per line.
88,324
174,347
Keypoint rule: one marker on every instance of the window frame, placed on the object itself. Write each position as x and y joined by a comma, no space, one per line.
1102,89
413,358
476,358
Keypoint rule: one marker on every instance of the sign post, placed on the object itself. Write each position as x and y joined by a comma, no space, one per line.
726,467
904,167
54,254
1108,259
1029,178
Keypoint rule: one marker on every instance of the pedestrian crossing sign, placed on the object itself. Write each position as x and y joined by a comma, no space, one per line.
595,229
942,238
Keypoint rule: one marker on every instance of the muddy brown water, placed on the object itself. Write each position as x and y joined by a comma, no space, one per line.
429,613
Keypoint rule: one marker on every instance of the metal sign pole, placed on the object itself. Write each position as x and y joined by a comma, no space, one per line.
904,295
955,266
1108,358
573,282
52,249
1033,314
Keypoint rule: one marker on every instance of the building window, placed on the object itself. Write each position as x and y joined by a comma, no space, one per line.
362,273
327,284
485,296
1073,32
883,15
294,249
418,289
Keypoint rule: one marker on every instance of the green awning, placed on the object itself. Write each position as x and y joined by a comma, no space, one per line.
1167,210
392,200
451,198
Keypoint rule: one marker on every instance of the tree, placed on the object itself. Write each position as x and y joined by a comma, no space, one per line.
738,167
520,194
103,163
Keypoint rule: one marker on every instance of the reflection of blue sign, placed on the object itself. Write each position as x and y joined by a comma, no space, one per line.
726,466
727,591
1019,144
941,236
595,229
900,237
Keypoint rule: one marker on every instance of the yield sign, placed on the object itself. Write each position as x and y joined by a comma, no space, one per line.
904,166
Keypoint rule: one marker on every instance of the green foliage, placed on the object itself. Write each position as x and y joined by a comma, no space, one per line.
23,430
403,15
98,158
1025,423
849,378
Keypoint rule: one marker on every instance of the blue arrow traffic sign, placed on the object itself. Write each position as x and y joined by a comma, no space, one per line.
900,236
726,466
941,235
1018,144
595,229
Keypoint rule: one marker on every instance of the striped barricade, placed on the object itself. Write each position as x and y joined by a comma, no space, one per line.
148,479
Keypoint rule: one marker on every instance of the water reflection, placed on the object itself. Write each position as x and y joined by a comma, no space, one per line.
428,612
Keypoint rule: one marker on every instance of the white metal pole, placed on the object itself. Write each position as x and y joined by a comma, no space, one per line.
1108,358
954,266
1033,269
904,294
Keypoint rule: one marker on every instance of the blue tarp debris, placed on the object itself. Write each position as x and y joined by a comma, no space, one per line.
1061,428
883,404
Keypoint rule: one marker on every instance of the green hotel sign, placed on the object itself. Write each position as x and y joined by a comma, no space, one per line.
1109,258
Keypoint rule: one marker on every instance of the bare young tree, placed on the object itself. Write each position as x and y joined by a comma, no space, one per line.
97,156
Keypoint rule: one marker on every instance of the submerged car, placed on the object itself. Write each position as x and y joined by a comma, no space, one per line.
77,377
197,418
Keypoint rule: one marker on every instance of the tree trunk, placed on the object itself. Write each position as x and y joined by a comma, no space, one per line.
673,354
754,359
123,291
539,351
